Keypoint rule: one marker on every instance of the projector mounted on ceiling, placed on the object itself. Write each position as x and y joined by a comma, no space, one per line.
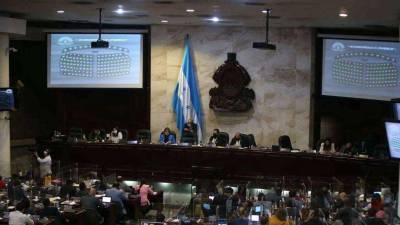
100,43
265,45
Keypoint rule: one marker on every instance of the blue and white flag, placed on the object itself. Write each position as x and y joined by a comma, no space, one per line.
186,100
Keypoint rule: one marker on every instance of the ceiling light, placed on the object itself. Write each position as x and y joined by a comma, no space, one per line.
120,11
215,19
264,11
190,10
164,21
343,13
60,11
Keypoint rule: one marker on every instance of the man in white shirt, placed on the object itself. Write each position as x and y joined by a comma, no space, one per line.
17,217
45,163
116,135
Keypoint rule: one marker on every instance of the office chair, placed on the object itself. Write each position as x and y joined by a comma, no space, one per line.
223,139
124,135
173,133
245,141
143,136
188,138
252,140
284,142
75,133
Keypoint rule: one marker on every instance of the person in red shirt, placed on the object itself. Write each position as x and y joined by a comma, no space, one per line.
2,183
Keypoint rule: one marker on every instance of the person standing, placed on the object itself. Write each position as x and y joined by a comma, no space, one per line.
45,163
144,191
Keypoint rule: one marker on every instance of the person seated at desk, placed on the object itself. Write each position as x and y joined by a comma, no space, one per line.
96,136
116,135
18,217
166,137
117,196
67,190
239,140
190,127
51,212
327,147
82,190
19,193
215,138
348,149
92,206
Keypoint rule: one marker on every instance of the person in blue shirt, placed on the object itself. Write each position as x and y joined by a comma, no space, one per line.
117,196
166,137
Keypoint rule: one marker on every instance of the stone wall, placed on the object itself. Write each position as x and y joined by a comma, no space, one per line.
281,79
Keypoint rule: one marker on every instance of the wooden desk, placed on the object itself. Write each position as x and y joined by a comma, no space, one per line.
173,162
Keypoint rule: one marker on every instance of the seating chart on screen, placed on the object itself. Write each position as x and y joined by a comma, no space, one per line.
73,63
361,69
82,61
354,69
393,137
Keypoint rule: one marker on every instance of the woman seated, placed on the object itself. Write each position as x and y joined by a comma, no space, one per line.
166,137
327,147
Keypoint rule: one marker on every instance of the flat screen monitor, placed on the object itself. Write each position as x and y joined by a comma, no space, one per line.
393,138
258,209
106,199
361,69
396,110
254,218
206,206
6,99
72,63
222,222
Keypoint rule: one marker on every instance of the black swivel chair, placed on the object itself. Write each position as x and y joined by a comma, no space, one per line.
223,139
124,135
188,138
173,133
143,136
75,133
252,140
284,142
245,141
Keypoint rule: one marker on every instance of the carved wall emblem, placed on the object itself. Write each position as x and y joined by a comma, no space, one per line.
231,95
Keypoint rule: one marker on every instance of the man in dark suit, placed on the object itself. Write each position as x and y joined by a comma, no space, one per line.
240,140
190,127
92,206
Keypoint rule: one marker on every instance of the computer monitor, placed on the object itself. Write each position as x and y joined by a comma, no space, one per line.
258,209
255,218
206,206
396,110
106,199
393,138
6,99
222,222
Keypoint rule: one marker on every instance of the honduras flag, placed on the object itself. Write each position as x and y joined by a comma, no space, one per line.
186,100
